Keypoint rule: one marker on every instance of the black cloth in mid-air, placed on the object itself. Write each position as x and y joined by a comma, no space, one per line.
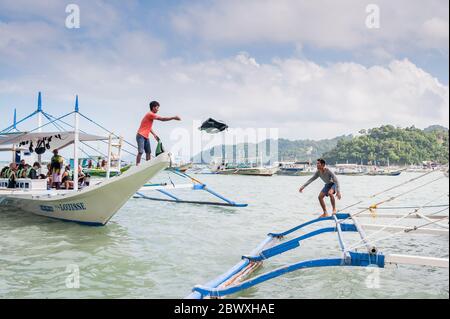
213,126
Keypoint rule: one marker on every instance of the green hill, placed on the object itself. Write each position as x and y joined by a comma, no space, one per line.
394,145
288,150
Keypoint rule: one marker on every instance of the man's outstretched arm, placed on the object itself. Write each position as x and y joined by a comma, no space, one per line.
312,179
166,119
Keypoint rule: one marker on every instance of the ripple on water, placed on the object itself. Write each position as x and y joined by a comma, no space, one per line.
161,250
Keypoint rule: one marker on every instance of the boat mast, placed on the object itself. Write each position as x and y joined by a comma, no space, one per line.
75,147
39,114
14,145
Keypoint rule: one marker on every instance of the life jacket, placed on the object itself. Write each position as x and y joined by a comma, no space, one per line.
11,174
29,172
3,172
56,162
6,173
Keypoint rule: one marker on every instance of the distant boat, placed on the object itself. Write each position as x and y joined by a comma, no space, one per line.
349,169
180,168
295,169
255,171
384,173
242,169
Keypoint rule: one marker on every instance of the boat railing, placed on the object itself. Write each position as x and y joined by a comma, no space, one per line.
25,184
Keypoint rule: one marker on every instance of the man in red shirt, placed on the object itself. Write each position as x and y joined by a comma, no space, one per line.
145,129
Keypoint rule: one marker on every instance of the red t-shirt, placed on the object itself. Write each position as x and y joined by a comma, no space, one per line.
147,123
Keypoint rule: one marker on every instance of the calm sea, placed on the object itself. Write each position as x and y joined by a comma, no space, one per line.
161,250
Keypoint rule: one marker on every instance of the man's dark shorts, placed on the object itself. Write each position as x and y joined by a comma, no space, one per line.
143,144
327,188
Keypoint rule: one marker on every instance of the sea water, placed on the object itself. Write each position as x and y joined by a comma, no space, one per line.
161,250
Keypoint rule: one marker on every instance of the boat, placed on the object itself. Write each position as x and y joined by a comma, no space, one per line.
99,172
295,169
349,170
382,172
95,204
180,167
194,184
249,169
242,170
365,252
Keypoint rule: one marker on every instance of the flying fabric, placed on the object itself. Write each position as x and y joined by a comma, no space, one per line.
212,126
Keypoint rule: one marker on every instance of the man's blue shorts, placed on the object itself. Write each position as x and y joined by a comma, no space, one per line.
143,144
327,188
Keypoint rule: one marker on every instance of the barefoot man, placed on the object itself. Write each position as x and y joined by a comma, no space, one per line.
146,128
331,186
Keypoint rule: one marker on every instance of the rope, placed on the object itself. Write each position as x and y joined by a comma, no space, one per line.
362,243
408,207
391,199
58,119
61,129
102,127
104,142
9,128
389,189
406,231
409,181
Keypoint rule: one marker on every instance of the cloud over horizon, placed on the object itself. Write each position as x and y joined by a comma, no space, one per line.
117,66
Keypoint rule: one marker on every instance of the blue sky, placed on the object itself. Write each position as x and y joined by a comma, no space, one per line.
310,68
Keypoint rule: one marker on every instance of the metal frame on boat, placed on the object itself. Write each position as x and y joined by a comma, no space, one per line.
237,278
196,185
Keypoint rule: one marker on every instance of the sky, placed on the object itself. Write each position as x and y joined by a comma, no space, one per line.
312,69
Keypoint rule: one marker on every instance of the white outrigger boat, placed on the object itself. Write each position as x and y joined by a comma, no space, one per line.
93,205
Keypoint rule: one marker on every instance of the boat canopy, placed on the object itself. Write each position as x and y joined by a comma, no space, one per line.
55,140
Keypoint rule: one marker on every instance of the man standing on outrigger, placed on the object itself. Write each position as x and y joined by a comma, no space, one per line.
331,186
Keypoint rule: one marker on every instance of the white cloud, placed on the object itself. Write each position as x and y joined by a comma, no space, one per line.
303,99
120,73
323,23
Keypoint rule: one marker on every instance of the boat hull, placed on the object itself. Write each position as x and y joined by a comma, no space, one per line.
248,171
94,205
291,172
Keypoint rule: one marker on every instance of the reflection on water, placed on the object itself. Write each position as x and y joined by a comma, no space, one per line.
161,250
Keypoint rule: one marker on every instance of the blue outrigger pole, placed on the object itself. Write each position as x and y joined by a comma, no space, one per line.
235,279
196,185
232,281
